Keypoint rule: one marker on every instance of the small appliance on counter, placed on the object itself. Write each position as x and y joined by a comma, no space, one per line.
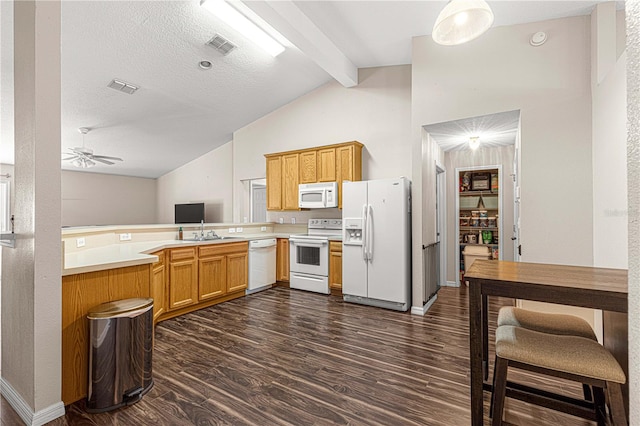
309,255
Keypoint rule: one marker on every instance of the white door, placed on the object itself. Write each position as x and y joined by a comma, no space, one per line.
388,216
354,267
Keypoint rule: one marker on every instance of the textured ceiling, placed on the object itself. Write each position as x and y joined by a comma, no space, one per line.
181,111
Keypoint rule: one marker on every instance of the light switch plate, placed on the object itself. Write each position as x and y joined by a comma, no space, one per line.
232,230
238,229
125,237
80,242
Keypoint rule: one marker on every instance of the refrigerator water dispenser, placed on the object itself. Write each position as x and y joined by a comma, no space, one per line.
352,231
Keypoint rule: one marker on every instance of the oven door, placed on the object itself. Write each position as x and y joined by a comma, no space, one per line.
309,256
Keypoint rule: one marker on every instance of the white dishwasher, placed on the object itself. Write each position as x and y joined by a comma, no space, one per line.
262,264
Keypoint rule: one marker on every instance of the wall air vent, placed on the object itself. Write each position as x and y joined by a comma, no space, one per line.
221,44
121,86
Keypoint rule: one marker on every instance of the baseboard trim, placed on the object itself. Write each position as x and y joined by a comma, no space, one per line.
450,284
416,310
28,416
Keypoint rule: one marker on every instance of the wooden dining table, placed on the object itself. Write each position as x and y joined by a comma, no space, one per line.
588,287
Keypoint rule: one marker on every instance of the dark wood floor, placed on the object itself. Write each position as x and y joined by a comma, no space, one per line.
287,357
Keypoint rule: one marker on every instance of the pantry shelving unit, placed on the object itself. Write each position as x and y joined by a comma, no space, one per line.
478,211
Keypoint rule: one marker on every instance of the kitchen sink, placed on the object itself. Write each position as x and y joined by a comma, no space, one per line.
208,238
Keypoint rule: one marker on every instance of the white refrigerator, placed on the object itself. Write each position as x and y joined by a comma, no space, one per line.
376,243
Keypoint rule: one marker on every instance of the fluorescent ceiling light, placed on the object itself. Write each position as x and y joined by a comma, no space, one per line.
461,21
244,26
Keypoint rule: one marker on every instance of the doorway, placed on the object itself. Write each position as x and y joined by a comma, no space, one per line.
474,142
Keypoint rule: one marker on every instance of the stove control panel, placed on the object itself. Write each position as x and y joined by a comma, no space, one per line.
352,231
335,224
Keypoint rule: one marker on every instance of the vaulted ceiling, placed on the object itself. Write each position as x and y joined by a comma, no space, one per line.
181,111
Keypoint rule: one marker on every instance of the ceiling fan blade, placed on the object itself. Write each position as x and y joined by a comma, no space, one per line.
70,158
106,157
102,160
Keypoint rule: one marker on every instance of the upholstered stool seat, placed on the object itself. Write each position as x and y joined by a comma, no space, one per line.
545,323
569,357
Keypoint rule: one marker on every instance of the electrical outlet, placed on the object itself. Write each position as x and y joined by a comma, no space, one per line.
232,230
293,220
281,220
238,229
263,228
80,242
125,237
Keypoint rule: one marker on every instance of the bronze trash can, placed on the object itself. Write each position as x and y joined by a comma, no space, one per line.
121,339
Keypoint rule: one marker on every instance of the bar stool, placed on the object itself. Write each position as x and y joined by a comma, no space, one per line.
568,357
546,323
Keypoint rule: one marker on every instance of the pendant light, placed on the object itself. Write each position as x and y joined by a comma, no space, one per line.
461,21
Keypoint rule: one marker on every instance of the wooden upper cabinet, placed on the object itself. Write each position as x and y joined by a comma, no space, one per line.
274,183
290,180
327,165
330,163
348,166
308,167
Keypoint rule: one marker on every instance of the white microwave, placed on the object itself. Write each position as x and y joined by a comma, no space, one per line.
318,195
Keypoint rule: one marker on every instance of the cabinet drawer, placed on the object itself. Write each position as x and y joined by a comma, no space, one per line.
222,249
335,246
183,253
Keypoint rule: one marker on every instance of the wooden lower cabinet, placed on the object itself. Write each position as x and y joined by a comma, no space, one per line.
159,286
183,278
224,269
237,272
212,277
80,293
282,259
335,265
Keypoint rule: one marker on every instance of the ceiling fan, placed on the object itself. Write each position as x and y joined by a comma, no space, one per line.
84,157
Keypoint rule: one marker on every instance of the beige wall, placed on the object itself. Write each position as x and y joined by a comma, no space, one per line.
502,156
550,85
376,113
101,199
206,179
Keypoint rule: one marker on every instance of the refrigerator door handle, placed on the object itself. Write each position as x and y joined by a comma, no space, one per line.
364,232
369,232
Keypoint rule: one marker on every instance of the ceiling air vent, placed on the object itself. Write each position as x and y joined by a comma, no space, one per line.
121,86
221,44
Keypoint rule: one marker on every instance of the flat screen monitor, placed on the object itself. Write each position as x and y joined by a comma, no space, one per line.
189,213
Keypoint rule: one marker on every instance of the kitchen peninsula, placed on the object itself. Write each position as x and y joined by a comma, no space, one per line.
106,263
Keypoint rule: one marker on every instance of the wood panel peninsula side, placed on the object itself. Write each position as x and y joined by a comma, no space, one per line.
329,163
182,280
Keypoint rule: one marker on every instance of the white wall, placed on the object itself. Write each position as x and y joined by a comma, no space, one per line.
376,113
101,199
206,179
633,179
610,169
550,85
481,157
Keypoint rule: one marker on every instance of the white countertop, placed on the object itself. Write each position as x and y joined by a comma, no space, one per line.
137,253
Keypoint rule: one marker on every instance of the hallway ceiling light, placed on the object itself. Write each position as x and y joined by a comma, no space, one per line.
461,21
243,25
474,142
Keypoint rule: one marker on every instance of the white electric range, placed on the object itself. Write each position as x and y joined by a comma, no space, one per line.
309,255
